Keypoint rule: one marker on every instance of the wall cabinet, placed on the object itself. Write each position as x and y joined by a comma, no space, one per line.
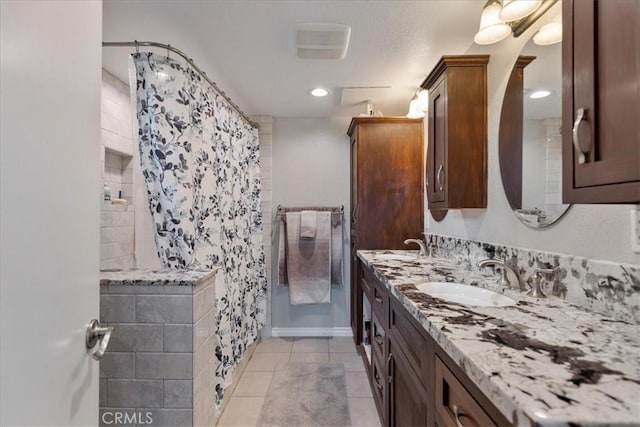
456,166
601,101
386,191
417,384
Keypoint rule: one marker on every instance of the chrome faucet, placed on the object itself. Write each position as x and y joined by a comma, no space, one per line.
423,247
508,275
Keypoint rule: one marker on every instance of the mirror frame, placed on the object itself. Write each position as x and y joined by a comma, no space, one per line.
510,133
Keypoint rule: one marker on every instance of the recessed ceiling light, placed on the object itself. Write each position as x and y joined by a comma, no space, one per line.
539,94
319,92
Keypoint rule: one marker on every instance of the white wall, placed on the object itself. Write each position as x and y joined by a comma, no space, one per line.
593,231
311,167
116,167
533,162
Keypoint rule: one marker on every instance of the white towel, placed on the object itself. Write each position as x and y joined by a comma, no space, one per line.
309,261
308,224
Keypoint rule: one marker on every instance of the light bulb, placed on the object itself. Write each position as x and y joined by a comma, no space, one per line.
492,28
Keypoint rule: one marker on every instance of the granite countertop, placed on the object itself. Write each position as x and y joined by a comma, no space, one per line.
145,277
541,361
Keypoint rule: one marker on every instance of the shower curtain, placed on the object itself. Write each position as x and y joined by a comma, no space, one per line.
200,162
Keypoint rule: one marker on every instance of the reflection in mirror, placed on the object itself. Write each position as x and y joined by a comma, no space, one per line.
530,136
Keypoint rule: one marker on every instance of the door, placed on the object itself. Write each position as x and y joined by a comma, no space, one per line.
602,107
49,210
408,399
437,156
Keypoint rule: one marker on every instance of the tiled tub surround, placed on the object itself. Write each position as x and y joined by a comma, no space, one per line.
541,361
601,286
161,356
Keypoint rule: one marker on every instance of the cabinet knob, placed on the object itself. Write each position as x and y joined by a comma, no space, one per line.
581,147
438,180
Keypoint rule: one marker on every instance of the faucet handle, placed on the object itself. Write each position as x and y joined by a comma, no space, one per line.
536,289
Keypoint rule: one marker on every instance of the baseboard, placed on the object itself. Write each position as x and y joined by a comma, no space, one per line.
311,332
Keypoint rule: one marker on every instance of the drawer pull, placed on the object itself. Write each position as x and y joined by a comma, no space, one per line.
389,372
580,115
378,383
458,413
378,299
440,181
378,339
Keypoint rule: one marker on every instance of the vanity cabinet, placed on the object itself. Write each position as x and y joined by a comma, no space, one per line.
408,401
387,202
456,165
601,101
408,362
413,382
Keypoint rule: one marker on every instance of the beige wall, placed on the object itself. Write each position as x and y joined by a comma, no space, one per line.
311,168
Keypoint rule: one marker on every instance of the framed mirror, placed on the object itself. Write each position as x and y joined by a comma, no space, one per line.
530,143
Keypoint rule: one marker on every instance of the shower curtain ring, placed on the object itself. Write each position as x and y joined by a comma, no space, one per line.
168,50
137,46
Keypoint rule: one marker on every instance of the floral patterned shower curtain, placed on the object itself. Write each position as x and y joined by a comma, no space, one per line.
200,162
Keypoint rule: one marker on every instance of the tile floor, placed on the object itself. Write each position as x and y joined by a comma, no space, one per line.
244,407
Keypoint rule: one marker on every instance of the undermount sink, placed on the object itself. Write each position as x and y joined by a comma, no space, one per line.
397,257
465,294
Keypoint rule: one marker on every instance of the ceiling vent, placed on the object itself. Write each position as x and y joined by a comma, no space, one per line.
322,41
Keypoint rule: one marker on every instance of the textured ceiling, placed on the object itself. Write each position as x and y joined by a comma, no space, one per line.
247,47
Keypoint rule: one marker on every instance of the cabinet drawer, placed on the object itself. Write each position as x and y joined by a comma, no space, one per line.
454,404
380,303
413,345
366,281
378,337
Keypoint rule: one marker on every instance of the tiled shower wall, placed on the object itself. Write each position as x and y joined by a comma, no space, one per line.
116,143
266,144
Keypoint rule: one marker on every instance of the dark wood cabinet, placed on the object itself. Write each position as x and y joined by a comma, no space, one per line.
408,404
413,382
386,191
456,165
454,405
601,101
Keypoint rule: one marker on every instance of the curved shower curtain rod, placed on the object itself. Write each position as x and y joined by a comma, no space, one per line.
168,47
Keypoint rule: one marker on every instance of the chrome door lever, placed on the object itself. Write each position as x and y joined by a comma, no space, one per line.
97,334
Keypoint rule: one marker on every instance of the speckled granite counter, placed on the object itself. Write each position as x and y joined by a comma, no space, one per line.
170,277
541,361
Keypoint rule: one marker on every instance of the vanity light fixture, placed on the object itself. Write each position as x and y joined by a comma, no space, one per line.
492,28
319,92
500,18
539,94
549,34
513,10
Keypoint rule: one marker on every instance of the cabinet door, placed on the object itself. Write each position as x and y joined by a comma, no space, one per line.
454,404
437,145
407,397
601,55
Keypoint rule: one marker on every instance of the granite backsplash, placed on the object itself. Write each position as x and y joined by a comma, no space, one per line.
609,288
